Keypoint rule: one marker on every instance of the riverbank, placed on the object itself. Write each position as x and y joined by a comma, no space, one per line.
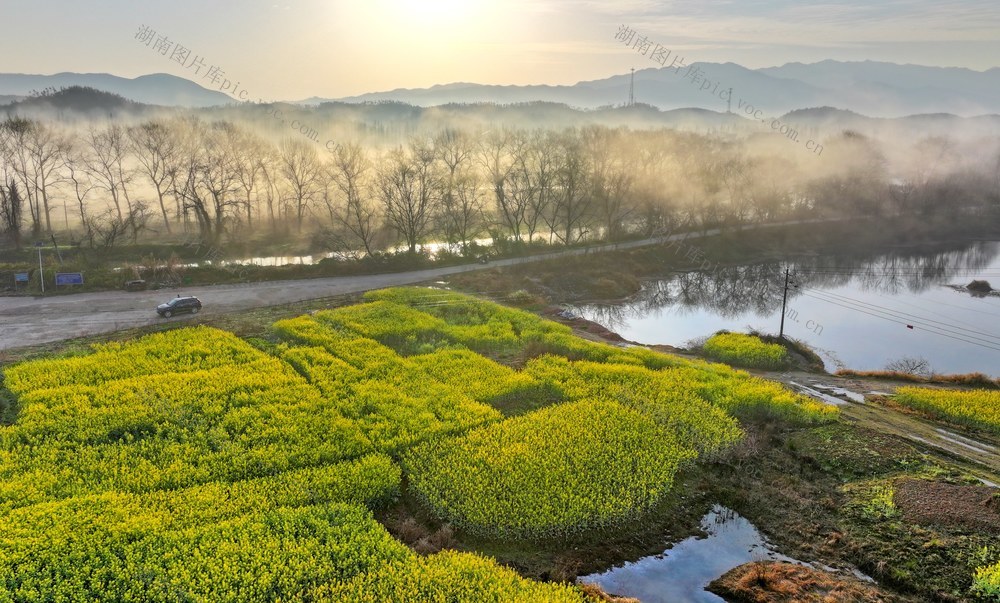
615,275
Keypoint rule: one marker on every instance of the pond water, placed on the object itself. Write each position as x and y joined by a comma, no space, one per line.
858,312
682,572
432,249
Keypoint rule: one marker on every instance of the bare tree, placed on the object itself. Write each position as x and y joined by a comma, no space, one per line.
852,177
108,228
268,189
538,163
17,132
461,216
409,189
47,149
254,153
206,178
350,204
910,365
570,207
497,153
611,178
11,206
82,186
218,178
736,173
155,147
106,162
301,169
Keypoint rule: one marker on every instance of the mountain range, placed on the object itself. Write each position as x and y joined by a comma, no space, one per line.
871,88
154,89
868,87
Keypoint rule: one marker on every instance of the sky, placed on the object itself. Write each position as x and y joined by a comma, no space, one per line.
294,49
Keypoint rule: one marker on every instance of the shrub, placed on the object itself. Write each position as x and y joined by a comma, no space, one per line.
746,351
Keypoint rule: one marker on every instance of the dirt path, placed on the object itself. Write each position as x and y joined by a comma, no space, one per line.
976,455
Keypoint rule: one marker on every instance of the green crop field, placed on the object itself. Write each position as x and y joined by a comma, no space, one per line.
191,465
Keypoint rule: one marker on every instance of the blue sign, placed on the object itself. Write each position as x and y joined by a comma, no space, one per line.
69,278
20,277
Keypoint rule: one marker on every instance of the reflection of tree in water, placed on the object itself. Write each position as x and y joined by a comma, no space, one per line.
734,291
909,270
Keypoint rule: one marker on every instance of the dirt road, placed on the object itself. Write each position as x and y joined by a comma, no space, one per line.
977,456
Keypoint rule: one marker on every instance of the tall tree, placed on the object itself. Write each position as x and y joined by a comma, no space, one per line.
350,204
497,153
409,188
11,206
155,147
17,132
568,214
301,169
106,161
611,177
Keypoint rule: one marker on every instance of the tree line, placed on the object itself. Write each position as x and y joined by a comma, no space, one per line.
165,178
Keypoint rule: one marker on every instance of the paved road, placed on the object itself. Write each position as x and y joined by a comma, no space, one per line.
27,321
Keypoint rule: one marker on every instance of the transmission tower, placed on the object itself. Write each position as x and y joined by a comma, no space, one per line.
631,89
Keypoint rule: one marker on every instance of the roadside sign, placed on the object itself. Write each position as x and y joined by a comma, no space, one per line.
20,277
69,278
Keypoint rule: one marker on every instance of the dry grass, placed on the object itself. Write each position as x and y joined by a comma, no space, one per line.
772,582
970,379
596,592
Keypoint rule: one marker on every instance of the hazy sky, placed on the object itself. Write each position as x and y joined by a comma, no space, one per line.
292,49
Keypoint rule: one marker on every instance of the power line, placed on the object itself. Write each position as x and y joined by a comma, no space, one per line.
908,316
925,328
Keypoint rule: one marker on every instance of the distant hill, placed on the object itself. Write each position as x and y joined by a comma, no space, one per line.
865,87
871,88
901,89
75,104
80,98
155,89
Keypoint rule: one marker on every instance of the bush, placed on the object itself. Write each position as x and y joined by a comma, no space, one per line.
747,351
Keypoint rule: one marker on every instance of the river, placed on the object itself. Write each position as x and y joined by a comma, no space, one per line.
858,311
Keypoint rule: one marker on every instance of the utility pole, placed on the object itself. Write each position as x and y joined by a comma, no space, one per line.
784,300
41,271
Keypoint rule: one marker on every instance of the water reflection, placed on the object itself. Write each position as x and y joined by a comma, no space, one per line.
682,572
850,293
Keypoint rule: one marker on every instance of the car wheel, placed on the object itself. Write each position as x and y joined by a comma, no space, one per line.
195,310
168,314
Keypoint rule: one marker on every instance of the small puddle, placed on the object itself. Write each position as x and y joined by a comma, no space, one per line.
805,389
844,393
966,441
954,438
682,572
